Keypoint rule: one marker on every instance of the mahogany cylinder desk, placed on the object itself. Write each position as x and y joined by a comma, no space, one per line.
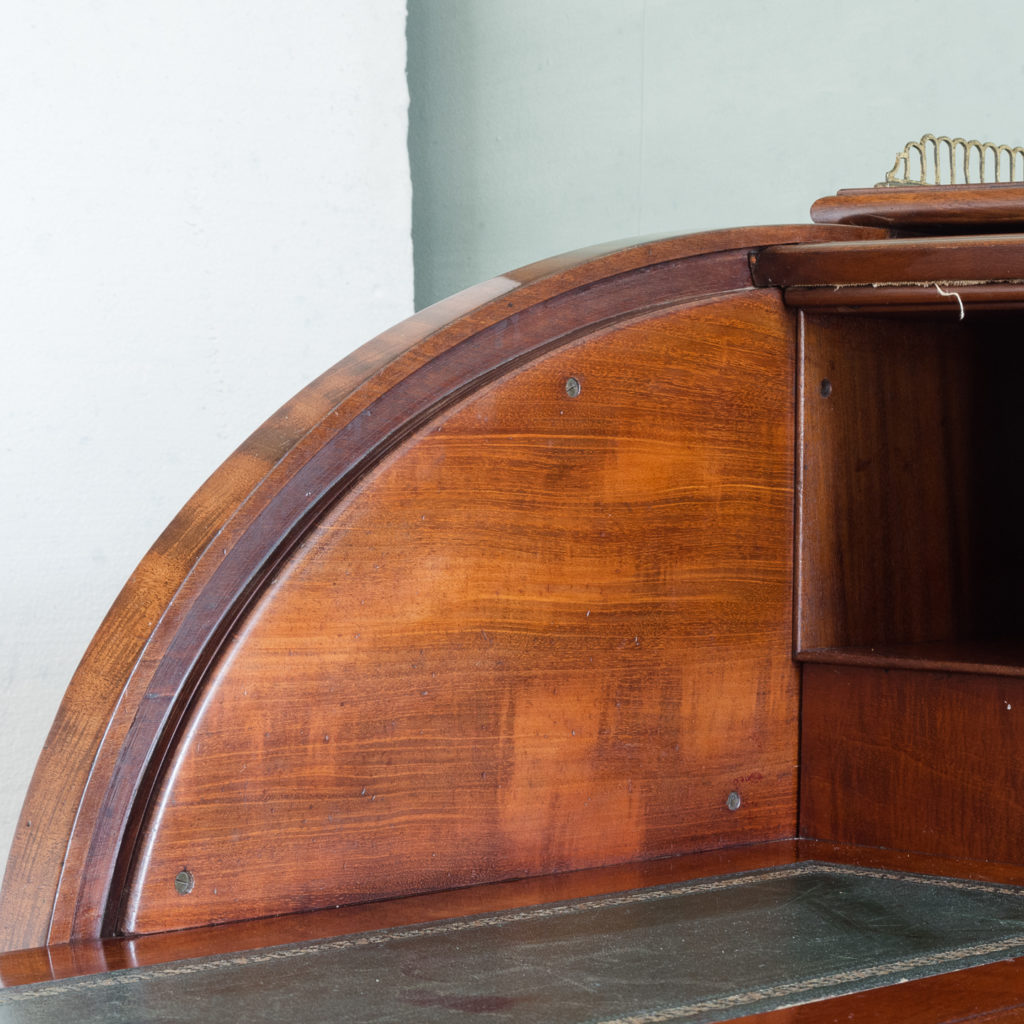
634,637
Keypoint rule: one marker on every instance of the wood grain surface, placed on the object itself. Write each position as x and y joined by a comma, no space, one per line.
989,207
908,544
913,760
952,301
92,780
885,477
995,992
69,960
509,594
550,632
963,260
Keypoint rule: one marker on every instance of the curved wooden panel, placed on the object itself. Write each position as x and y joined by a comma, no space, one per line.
137,680
548,633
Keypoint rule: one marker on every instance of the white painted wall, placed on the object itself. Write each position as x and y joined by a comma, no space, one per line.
539,126
203,205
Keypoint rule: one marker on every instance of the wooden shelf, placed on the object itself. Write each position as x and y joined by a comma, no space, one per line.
999,659
927,208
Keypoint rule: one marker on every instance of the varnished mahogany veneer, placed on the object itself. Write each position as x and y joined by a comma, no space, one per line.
991,992
925,208
913,760
954,301
511,593
956,260
565,655
135,686
997,658
75,959
885,416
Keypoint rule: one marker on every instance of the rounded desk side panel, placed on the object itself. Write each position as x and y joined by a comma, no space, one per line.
551,632
138,678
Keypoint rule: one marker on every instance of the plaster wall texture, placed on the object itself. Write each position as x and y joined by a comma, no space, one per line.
203,206
546,125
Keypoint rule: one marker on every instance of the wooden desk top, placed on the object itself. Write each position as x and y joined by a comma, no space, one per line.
703,949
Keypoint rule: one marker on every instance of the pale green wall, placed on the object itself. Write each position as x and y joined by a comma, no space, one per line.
538,126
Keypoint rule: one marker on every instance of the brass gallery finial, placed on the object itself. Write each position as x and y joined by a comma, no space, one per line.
940,160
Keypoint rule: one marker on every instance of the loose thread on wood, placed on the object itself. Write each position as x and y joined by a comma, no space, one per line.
955,295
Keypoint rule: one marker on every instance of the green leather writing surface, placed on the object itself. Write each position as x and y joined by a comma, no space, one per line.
699,951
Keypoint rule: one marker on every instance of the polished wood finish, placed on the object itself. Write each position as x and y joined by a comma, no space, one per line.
994,657
907,538
884,478
551,658
90,792
69,960
974,259
526,589
994,989
913,760
916,208
952,301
